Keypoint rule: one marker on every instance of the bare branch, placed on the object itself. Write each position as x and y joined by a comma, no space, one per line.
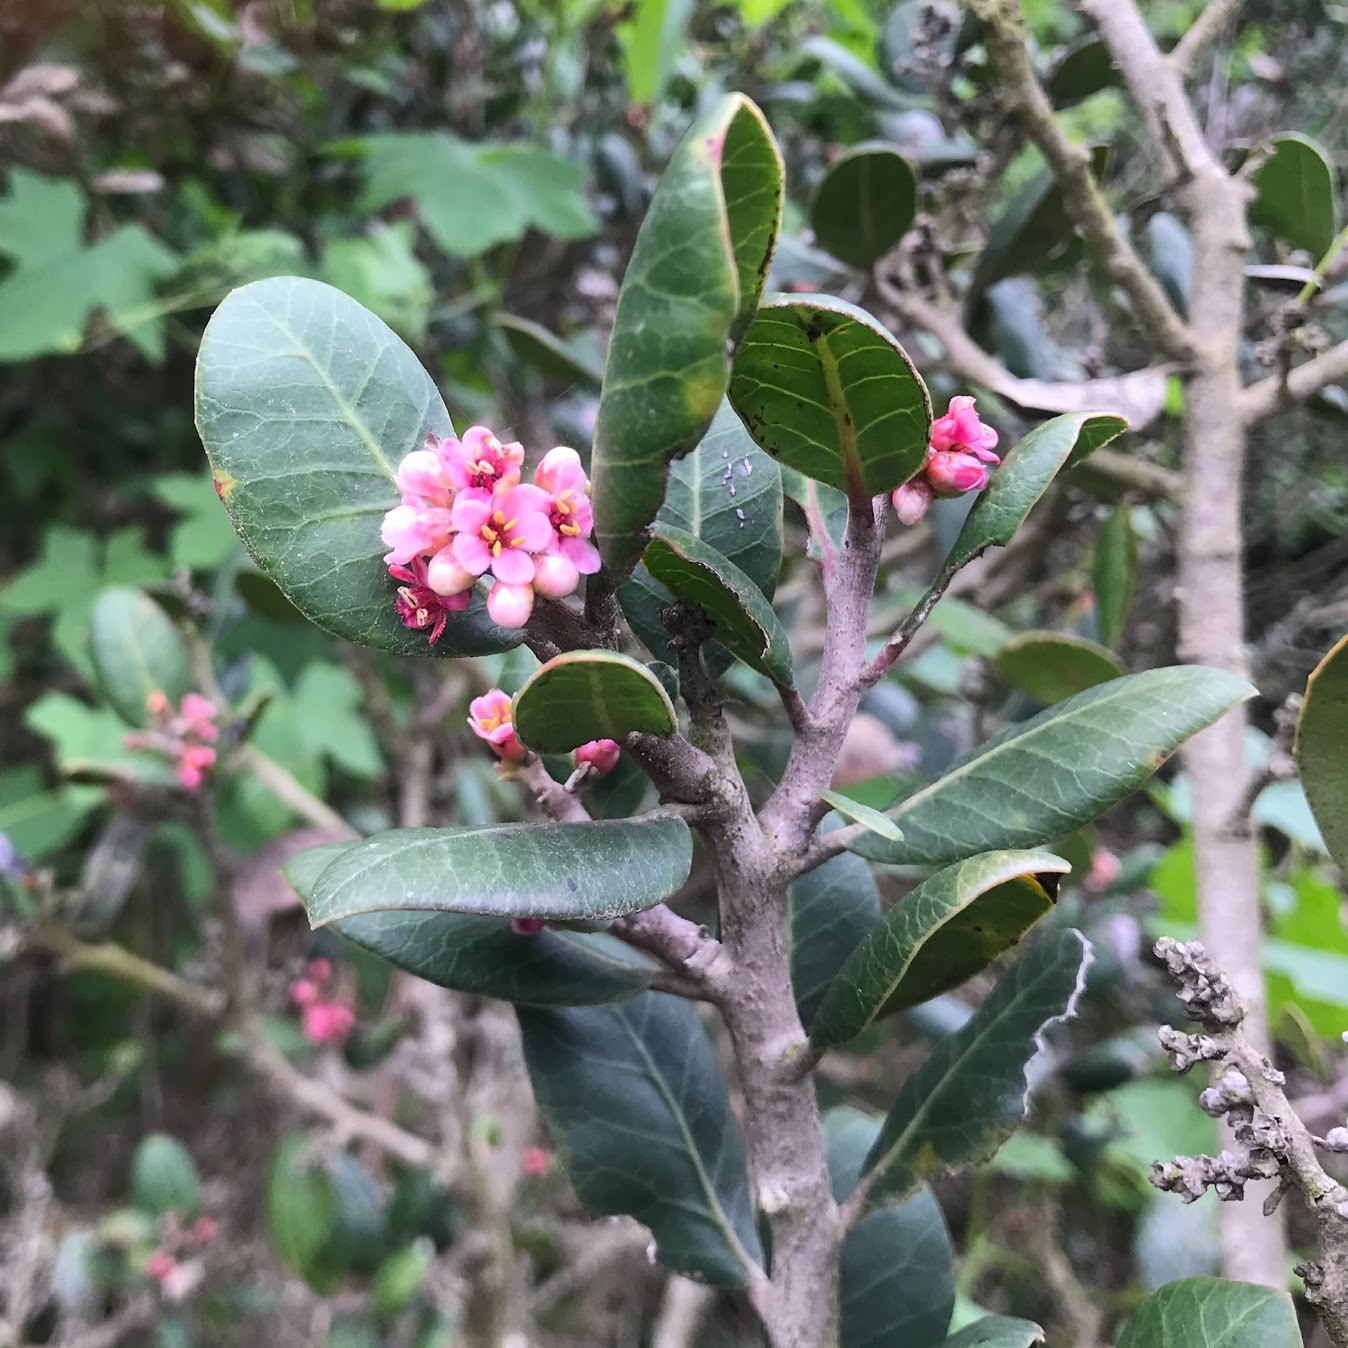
1203,32
1260,401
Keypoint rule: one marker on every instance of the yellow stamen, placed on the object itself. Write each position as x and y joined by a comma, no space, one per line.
570,529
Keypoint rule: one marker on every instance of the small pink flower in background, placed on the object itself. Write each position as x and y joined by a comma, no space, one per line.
601,755
479,461
194,761
205,1230
159,1265
536,1162
328,1022
320,970
527,926
303,992
489,717
419,606
183,736
1105,869
199,713
912,500
960,428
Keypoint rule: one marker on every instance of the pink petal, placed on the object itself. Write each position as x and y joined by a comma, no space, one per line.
534,528
514,566
471,553
472,509
582,554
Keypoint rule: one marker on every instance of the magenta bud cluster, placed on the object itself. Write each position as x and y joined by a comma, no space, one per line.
958,458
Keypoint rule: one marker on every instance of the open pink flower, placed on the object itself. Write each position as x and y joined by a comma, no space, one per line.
419,606
499,533
489,717
421,523
480,461
562,476
961,429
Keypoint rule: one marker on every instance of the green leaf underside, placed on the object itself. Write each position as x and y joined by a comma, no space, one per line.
135,650
1213,1313
858,813
713,216
1046,777
1322,750
1051,666
864,204
743,621
634,1096
590,695
1296,194
727,493
825,389
1023,477
558,872
482,955
897,1272
969,1094
950,927
997,1331
306,403
833,908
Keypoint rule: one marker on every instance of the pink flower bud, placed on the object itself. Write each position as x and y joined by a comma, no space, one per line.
601,755
303,992
328,1022
445,576
193,761
159,1265
555,576
320,970
952,473
1105,869
912,500
527,926
510,605
536,1162
157,704
205,1230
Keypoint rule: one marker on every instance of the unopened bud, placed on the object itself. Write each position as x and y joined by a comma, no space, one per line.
912,500
527,926
555,576
1337,1140
445,576
510,605
952,473
601,755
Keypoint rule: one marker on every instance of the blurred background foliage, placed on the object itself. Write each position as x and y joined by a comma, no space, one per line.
475,171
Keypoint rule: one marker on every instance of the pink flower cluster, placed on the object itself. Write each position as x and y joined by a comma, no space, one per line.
466,514
326,1020
957,461
490,719
185,736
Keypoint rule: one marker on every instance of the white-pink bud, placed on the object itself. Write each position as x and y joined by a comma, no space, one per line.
555,576
912,500
445,576
510,605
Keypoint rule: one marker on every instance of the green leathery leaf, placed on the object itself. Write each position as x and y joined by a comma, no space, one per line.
301,1206
1114,574
306,404
634,1096
558,872
997,1331
864,204
1050,775
728,493
580,696
164,1177
690,290
547,352
1322,750
1081,71
968,1095
1296,194
742,619
1051,666
482,955
832,909
826,389
863,814
896,1267
952,926
135,650
1213,1313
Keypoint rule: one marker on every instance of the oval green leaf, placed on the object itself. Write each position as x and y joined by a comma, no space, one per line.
1322,750
858,813
548,353
1081,71
997,1331
482,955
969,1094
306,403
864,204
691,287
164,1177
135,651
1296,194
952,926
1213,1313
1114,574
826,389
301,1206
1048,776
590,695
742,619
558,872
635,1098
1051,666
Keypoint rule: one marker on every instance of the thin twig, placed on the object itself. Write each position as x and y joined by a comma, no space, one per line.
1203,32
1260,401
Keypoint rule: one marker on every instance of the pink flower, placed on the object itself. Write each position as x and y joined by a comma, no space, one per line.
536,1162
510,605
303,992
159,1265
205,1230
481,461
555,576
412,529
419,606
199,714
527,926
952,473
320,970
562,476
1105,869
498,533
193,762
490,720
422,473
913,500
960,428
158,705
328,1022
601,755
